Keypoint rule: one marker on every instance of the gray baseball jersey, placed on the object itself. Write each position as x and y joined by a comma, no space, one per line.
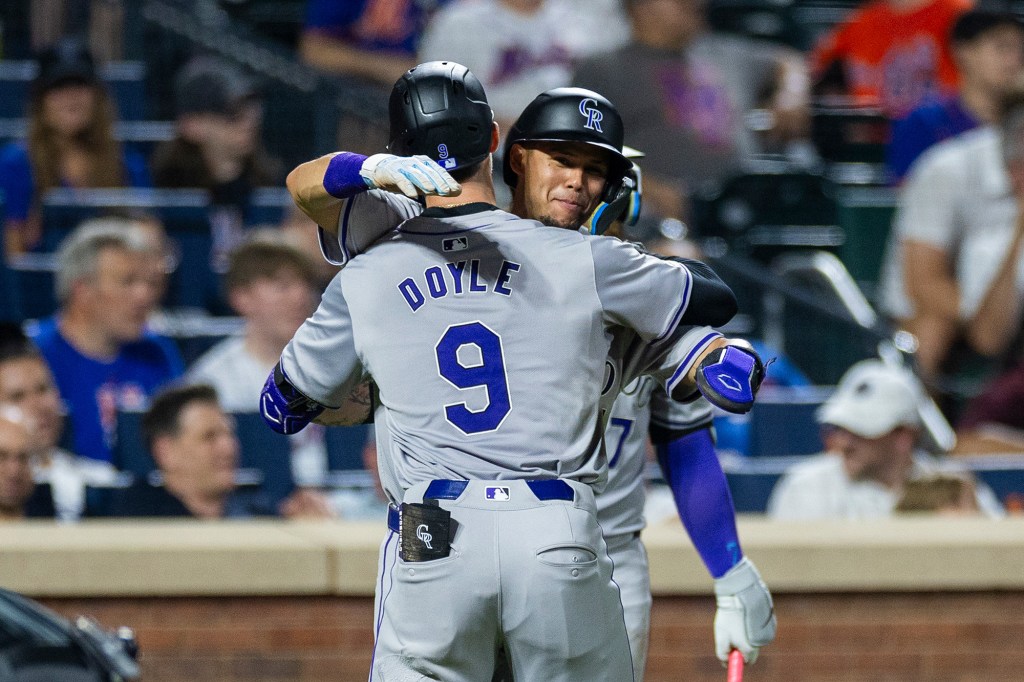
487,336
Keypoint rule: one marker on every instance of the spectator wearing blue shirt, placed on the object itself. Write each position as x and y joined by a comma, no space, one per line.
70,143
989,52
97,345
372,39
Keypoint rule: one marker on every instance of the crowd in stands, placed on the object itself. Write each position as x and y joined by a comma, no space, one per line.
700,103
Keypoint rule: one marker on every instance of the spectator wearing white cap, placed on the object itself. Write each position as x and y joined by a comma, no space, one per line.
871,429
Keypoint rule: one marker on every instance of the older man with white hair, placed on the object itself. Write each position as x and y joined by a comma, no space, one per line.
872,429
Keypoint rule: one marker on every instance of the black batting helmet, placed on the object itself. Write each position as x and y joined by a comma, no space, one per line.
571,115
439,109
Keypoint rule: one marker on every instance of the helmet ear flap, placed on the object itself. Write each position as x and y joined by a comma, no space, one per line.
622,202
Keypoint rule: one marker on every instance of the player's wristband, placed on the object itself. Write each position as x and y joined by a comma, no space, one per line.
342,179
283,407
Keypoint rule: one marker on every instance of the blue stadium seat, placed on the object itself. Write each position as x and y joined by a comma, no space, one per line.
126,82
1003,473
751,480
266,451
268,206
31,277
782,421
345,446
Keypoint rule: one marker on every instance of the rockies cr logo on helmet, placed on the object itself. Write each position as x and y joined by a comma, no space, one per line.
588,107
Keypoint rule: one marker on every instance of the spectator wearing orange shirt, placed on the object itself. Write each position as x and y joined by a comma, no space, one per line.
891,53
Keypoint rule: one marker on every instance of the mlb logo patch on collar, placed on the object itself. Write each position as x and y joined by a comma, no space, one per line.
455,244
497,493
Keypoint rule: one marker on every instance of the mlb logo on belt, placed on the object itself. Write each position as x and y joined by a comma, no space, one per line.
497,493
455,244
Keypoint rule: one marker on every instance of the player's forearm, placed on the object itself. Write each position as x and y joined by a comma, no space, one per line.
320,187
702,498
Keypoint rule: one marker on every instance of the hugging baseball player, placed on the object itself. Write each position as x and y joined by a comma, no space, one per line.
506,431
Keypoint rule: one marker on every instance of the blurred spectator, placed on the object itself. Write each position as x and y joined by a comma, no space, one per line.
994,420
954,271
590,27
892,54
515,47
373,39
217,146
17,488
26,385
872,426
989,51
97,345
273,287
195,448
685,94
950,495
70,143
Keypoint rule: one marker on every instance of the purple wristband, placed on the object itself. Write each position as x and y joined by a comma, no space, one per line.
342,179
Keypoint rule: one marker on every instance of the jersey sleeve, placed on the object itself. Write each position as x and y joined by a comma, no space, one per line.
639,291
365,218
321,361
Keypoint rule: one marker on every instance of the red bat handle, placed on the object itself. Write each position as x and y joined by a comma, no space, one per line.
735,672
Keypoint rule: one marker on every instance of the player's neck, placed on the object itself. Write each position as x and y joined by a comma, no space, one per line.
474,190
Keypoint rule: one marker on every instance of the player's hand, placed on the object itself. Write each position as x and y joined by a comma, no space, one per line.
745,619
730,376
409,175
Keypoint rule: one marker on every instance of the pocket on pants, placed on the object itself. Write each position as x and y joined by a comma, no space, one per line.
567,555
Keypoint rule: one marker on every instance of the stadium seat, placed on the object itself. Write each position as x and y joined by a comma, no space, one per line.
345,446
125,80
782,421
267,452
751,480
31,277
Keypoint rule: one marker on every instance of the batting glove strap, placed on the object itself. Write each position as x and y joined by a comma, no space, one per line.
409,175
745,618
729,378
283,407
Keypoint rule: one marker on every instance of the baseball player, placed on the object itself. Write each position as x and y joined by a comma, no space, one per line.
681,432
492,451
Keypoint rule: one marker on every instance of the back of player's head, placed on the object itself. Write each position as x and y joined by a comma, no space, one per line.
571,115
439,109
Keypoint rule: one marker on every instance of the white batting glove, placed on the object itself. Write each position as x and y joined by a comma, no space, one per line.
745,619
408,175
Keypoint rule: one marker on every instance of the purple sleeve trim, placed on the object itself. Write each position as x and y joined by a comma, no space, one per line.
702,497
342,179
